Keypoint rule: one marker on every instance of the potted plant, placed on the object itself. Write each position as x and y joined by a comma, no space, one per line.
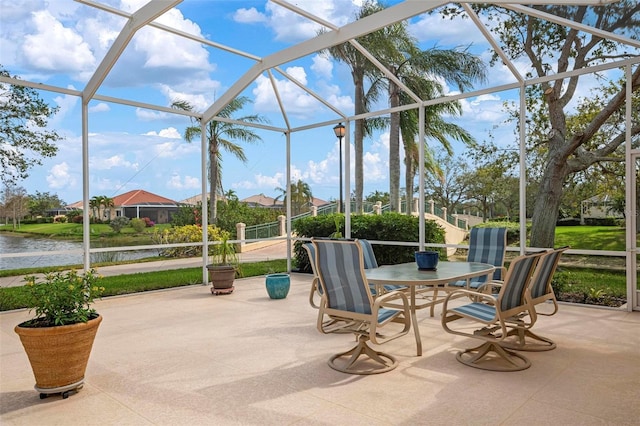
58,340
223,267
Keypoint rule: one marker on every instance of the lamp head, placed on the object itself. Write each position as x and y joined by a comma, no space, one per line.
339,130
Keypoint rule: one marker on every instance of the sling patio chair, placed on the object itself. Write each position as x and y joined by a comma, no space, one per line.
486,245
348,306
370,262
511,309
316,290
541,292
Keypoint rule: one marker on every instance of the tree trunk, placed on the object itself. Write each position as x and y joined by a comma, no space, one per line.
358,142
394,149
408,164
213,182
547,201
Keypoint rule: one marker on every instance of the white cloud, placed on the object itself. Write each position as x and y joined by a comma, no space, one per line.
322,66
60,177
53,47
249,16
114,161
170,132
291,27
148,115
66,103
297,101
100,107
261,181
446,31
186,182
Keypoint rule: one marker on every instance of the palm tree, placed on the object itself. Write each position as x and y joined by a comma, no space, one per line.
417,70
106,203
458,67
220,136
94,203
301,197
361,69
99,203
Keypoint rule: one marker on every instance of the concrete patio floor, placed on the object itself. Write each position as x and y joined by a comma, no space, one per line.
186,357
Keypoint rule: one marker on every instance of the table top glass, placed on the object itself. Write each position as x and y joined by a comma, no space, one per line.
409,274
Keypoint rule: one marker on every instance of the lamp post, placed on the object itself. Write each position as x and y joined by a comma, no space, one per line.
339,131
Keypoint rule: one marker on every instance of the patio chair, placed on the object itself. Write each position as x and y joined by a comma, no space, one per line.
347,306
486,245
511,309
316,289
541,292
370,262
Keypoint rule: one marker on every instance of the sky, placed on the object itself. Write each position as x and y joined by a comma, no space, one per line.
61,43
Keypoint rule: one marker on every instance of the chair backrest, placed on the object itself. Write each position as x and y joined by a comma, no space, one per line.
311,253
368,255
488,245
512,293
541,282
341,272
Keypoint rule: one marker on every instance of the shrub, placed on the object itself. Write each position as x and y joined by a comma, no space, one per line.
568,221
73,214
601,221
118,223
385,227
137,224
60,219
62,298
77,219
148,222
186,234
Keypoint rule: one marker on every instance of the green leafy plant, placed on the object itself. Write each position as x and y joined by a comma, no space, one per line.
118,223
62,298
223,253
137,224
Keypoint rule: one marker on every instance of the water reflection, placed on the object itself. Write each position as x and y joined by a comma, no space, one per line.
19,244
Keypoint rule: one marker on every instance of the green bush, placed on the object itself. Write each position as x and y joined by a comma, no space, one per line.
137,224
187,234
385,227
119,223
601,221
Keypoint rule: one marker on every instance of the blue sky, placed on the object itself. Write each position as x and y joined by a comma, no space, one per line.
62,42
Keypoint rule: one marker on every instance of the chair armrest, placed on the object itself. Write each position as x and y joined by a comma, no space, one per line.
494,283
473,294
385,300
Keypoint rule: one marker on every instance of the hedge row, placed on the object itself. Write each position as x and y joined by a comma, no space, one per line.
385,227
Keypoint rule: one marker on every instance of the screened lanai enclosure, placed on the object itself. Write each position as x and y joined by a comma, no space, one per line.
569,81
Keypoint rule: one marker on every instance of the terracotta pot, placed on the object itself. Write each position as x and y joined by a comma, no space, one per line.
59,355
222,276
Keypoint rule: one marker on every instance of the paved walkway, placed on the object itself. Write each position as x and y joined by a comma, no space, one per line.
275,251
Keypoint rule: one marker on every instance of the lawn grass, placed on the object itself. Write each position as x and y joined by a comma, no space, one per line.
14,297
589,281
568,279
75,231
591,237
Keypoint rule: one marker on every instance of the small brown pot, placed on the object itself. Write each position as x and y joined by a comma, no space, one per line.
222,276
59,355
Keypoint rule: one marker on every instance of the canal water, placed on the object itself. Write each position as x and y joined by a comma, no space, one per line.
19,244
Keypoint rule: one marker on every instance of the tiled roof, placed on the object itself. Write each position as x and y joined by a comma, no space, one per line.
261,200
140,197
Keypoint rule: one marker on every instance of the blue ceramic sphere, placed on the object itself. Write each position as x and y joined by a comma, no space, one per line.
427,259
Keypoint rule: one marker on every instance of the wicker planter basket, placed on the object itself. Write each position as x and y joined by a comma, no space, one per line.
59,355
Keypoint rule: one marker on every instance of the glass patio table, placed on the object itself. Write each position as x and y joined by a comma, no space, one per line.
408,274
